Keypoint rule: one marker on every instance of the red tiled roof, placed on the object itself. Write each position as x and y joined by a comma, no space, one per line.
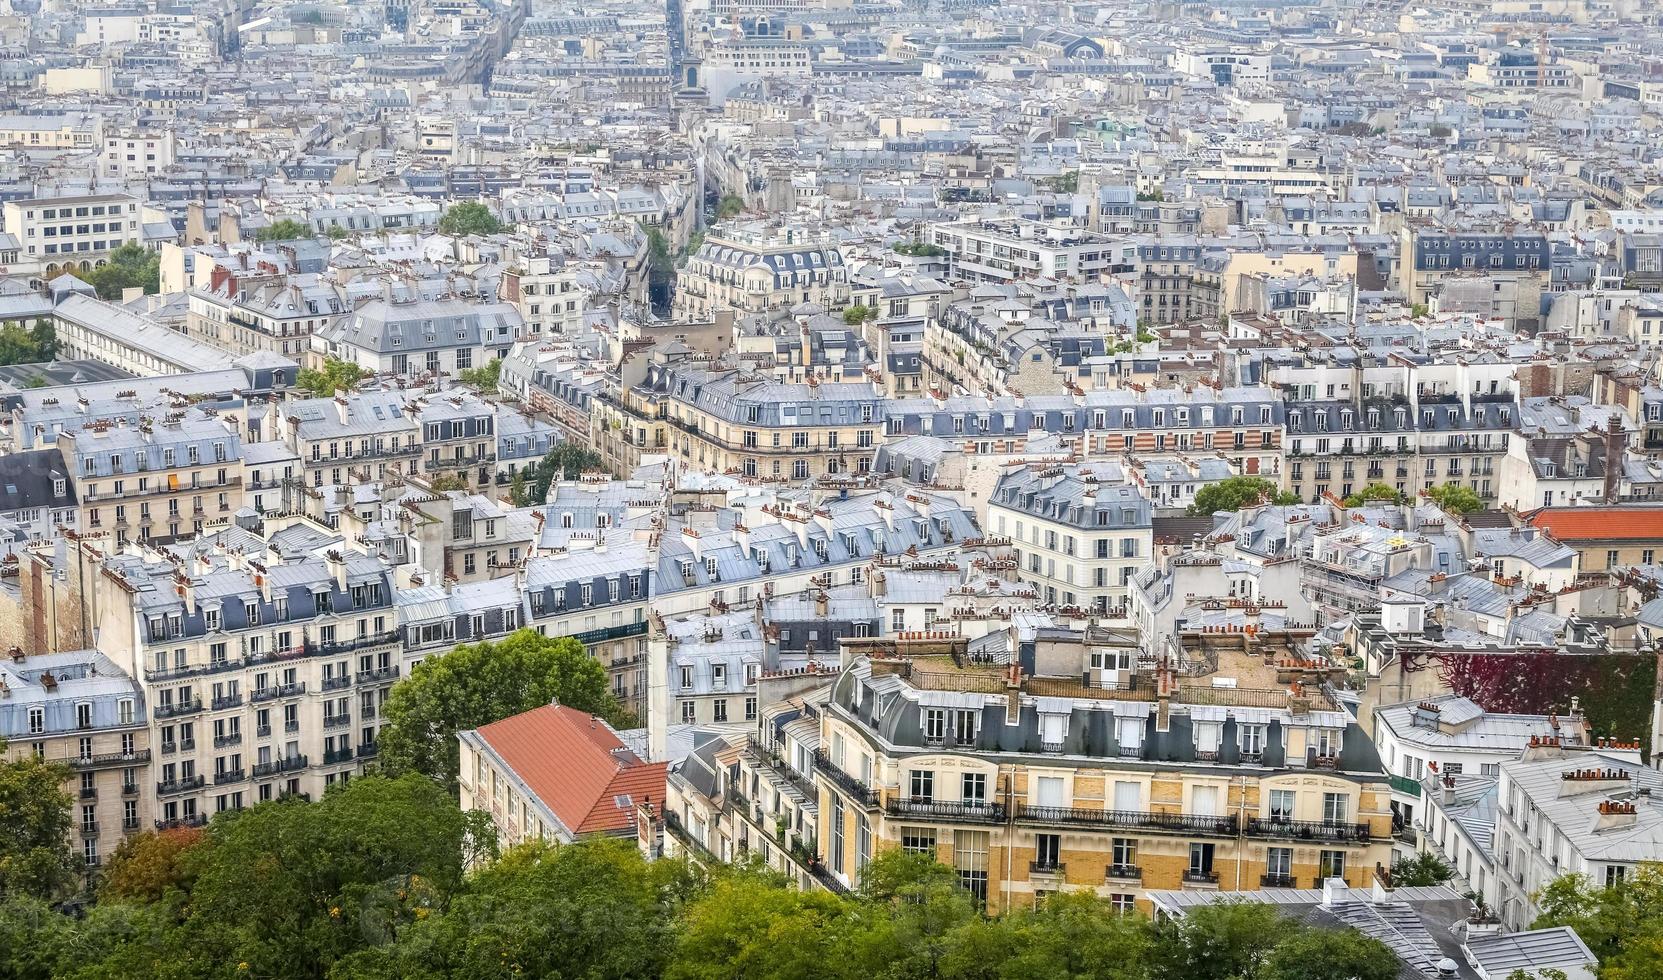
573,762
1600,523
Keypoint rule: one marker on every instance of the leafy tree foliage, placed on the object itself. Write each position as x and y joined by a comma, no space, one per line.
566,461
128,266
469,218
1620,923
856,315
476,684
146,867
35,860
28,345
729,205
482,379
332,377
286,230
1424,869
1235,492
1335,954
1456,498
920,249
1219,942
1373,492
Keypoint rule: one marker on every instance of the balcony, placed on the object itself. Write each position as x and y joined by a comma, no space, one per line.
1311,830
858,791
226,741
230,776
262,731
1277,881
337,756
289,764
368,750
378,675
129,823
321,647
336,721
263,694
187,745
1047,869
184,785
958,812
592,637
89,792
1406,785
111,759
1172,823
89,829
336,683
1121,873
190,707
291,690
1200,877
194,820
129,789
291,726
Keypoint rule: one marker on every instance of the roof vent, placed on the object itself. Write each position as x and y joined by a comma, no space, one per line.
1448,967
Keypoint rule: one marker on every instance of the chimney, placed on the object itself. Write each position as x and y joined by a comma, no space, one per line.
1616,815
821,605
341,406
337,569
1615,442
1334,892
268,421
1585,782
1448,790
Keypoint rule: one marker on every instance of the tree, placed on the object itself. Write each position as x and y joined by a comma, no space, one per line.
476,684
469,218
1154,195
1329,954
28,345
593,909
1225,941
35,860
446,482
287,230
567,461
1418,310
334,376
1063,183
1372,492
1619,923
749,926
1235,492
1423,869
146,867
1456,498
1071,935
919,249
337,232
854,316
729,205
130,266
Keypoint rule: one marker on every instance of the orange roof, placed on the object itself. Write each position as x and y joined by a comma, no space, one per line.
576,765
1600,523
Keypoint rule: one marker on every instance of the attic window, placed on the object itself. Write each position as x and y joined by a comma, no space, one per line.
622,801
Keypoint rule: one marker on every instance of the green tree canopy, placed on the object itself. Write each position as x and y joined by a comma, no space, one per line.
131,265
28,345
482,379
566,461
1423,869
287,230
469,218
476,684
332,377
729,205
1329,954
1235,492
856,315
1374,492
1620,923
35,860
1456,498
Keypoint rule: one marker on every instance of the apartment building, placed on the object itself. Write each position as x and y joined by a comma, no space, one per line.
1070,769
76,232
748,425
263,678
1078,541
597,590
550,294
1563,811
459,440
51,131
408,335
1449,735
264,311
555,774
361,436
136,154
79,709
158,480
1012,250
87,327
757,273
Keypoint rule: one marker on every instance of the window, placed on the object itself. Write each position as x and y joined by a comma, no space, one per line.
1331,864
1279,862
918,840
1615,874
974,787
1201,861
970,858
922,783
1047,852
1124,851
935,724
837,833
1334,806
689,713
1123,904
1281,804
